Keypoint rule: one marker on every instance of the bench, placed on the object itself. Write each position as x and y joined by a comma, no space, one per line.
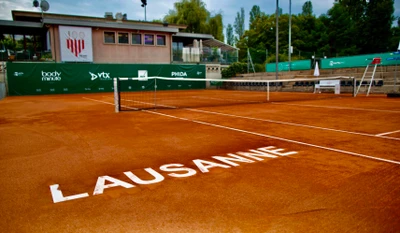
328,84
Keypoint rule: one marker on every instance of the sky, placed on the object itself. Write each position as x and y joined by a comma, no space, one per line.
157,9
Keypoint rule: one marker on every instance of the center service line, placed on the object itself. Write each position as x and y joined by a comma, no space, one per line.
266,136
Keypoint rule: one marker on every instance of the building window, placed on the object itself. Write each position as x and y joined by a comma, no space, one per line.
136,38
109,37
123,38
149,39
160,40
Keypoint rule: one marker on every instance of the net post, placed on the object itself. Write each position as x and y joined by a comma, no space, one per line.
116,95
354,86
268,91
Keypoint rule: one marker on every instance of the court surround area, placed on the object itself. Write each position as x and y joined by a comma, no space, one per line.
200,169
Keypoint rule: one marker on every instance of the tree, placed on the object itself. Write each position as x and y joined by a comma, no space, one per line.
192,13
254,14
216,27
239,24
307,8
342,31
230,38
378,23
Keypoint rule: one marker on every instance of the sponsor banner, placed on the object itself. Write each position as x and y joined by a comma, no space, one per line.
284,66
357,61
63,78
76,44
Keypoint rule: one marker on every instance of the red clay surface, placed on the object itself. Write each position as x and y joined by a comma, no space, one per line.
345,176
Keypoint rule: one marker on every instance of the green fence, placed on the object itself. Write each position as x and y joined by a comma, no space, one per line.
63,78
294,65
358,61
388,59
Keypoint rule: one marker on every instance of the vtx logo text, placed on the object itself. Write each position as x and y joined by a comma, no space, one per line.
101,76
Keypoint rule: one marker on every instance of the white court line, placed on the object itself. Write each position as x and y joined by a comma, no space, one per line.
295,124
232,100
381,134
287,123
334,107
148,103
273,137
98,101
109,103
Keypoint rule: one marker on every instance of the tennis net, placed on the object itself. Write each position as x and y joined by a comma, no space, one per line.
161,92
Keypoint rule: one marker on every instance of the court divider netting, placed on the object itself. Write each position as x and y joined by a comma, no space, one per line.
171,93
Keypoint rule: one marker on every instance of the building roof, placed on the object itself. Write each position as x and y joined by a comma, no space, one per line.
207,40
75,20
13,27
117,25
218,44
194,35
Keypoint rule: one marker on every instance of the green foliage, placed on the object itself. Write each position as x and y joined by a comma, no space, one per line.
254,14
230,39
198,19
9,43
239,23
377,25
233,69
307,8
216,27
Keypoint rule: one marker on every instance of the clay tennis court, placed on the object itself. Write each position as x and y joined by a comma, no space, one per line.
71,164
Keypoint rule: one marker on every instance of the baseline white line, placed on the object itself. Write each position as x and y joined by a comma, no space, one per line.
272,137
334,107
381,134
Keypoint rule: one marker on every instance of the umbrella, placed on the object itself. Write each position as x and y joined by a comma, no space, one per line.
316,71
201,48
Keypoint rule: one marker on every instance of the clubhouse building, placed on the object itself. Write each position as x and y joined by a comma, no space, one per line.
35,36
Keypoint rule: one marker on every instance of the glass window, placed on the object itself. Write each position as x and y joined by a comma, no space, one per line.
149,39
160,40
123,38
109,37
136,38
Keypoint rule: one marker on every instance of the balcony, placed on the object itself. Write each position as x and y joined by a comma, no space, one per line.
202,48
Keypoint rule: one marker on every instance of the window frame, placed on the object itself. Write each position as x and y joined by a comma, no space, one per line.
127,43
153,44
141,38
104,37
165,40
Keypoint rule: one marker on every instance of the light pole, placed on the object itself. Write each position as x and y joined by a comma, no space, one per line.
277,39
290,32
144,4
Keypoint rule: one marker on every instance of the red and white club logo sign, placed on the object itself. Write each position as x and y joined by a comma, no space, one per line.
76,42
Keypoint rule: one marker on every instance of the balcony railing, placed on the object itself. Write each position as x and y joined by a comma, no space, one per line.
206,55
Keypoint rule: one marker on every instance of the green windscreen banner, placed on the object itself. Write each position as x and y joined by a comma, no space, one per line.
387,59
294,65
64,78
